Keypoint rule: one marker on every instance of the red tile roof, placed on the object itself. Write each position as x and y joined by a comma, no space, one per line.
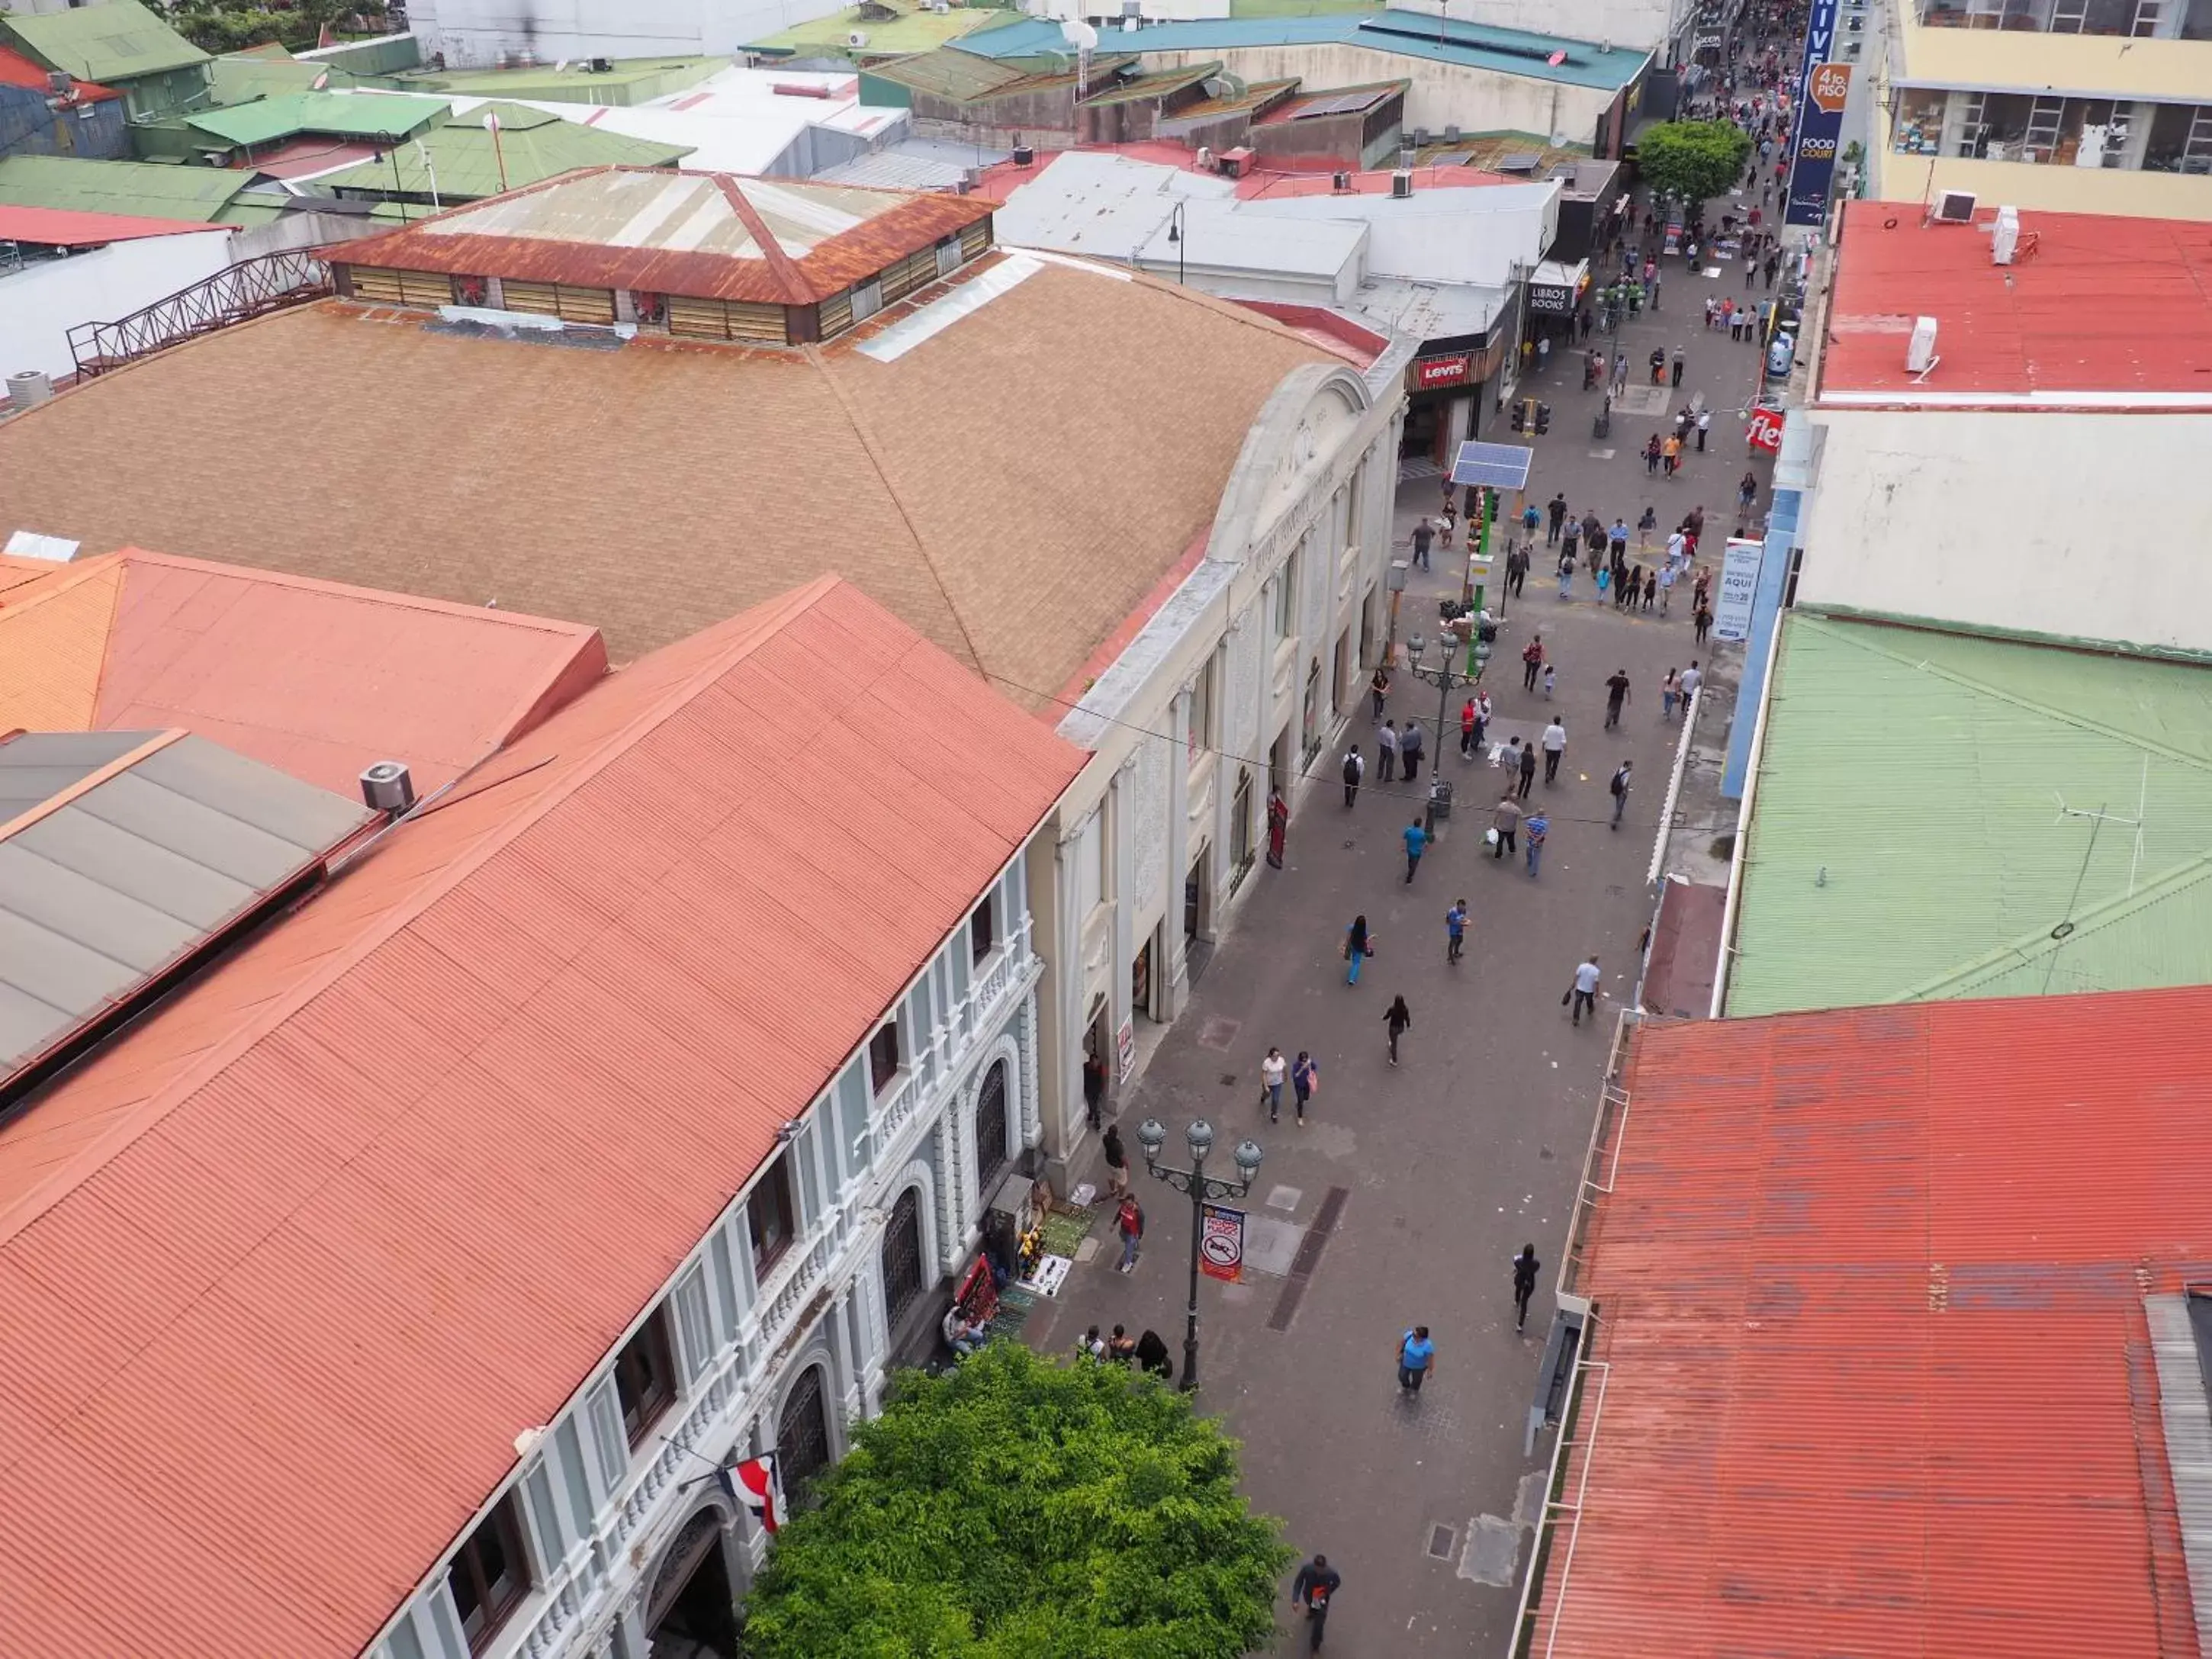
66,227
1878,1376
902,223
313,1243
17,70
313,678
2117,310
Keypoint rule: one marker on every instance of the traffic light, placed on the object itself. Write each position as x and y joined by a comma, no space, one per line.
1520,414
1489,504
1543,419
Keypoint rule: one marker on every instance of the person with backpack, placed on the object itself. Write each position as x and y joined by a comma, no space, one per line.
1524,1285
1129,1222
1354,769
1620,786
1311,1590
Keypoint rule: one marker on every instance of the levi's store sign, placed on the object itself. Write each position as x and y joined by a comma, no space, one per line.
1432,372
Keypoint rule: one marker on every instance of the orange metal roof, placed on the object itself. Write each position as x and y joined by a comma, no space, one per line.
315,678
310,1246
1879,1378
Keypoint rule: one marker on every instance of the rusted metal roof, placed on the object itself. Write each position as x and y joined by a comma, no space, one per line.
703,235
307,1248
1872,1368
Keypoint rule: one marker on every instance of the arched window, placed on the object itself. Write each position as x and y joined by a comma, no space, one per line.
903,1257
990,1129
802,1434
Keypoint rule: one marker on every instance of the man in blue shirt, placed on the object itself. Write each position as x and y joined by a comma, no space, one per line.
1417,1355
1417,843
1535,827
1454,930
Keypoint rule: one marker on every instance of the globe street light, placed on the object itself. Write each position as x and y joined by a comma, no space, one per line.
1151,1136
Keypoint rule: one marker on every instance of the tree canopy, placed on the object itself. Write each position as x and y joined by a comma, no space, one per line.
220,26
1016,1507
1691,161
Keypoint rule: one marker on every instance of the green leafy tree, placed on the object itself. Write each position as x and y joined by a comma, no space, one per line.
1691,161
1019,1509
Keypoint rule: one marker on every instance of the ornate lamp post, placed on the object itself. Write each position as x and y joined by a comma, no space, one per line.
1445,675
1151,1136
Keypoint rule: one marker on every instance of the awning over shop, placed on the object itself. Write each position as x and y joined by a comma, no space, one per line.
1555,286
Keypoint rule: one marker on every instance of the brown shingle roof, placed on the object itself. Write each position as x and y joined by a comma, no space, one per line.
706,235
1013,488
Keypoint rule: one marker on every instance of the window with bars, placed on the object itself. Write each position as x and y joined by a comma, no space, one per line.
490,1575
901,1261
644,1376
991,1128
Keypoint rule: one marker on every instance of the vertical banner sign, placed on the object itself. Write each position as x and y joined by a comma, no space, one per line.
1819,127
1820,41
1739,583
1221,1243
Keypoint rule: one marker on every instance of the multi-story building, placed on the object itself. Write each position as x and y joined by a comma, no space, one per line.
2069,105
512,1163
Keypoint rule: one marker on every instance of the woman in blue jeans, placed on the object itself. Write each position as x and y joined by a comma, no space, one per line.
1357,947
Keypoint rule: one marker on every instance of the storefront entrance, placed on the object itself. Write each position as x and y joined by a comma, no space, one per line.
690,1611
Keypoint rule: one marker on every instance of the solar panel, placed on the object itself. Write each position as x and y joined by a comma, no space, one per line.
1502,466
1521,160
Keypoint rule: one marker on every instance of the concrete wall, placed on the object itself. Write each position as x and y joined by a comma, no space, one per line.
41,303
472,34
1441,94
1642,24
1979,517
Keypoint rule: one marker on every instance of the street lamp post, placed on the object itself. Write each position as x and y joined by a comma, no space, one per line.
1444,676
1151,1136
1175,235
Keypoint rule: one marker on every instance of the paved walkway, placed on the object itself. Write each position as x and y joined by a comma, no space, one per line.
1435,1173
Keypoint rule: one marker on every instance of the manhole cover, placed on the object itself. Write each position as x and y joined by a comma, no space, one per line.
1440,1542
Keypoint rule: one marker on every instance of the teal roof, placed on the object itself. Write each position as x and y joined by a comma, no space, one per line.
463,165
365,115
107,43
1403,34
1925,823
147,190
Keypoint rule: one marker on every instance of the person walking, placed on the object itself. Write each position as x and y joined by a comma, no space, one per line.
1620,786
1152,1356
1619,373
1094,1087
1456,930
1551,678
1527,769
1425,534
1506,825
1524,1285
1379,689
1570,540
1516,571
1669,690
1311,1590
1555,745
1417,843
1279,827
1651,452
1664,580
1354,769
1470,724
1677,370
1566,575
1386,749
1557,506
1644,526
1616,695
1417,1358
1357,947
1397,1020
1532,661
1274,1072
1616,541
1129,1222
1305,1083
1534,831
1604,581
1703,622
1117,1161
1670,454
1747,492
1583,991
1692,679
1409,751
1532,516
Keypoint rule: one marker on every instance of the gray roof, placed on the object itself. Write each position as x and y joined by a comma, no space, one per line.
112,887
913,164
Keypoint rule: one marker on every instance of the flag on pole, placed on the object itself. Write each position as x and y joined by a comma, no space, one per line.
758,1491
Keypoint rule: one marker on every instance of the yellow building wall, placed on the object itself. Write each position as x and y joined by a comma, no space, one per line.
2079,66
2048,188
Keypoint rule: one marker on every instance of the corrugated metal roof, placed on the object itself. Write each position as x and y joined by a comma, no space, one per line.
616,966
60,228
145,189
1870,1289
317,679
465,165
386,117
1157,84
1926,816
17,70
114,40
119,877
704,234
913,164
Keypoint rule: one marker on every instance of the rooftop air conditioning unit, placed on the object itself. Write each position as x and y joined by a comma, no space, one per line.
1023,156
1956,207
1451,134
856,37
58,83
2004,236
1402,182
1340,181
1417,137
1920,355
386,787
1205,159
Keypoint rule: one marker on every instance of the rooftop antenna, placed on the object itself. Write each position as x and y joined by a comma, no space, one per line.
1085,38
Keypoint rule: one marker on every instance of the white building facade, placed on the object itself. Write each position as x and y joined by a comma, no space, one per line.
497,33
776,1332
1245,677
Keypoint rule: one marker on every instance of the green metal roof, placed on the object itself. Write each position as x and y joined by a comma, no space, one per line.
375,116
241,78
916,29
631,81
1949,815
109,43
532,145
148,190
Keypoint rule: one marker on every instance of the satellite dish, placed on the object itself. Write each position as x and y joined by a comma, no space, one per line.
561,67
1079,34
321,81
490,121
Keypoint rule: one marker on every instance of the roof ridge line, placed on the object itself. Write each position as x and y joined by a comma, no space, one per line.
62,579
1858,640
528,621
813,353
796,291
43,1195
